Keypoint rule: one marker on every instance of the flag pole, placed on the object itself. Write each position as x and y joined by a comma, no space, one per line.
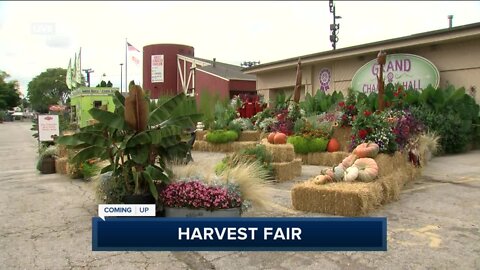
126,64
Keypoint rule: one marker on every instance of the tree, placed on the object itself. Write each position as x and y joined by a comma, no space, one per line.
9,96
47,89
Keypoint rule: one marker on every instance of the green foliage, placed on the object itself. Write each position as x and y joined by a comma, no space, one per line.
320,102
207,103
9,96
88,170
223,115
3,114
317,144
300,144
452,114
48,88
305,145
136,157
282,101
221,136
258,154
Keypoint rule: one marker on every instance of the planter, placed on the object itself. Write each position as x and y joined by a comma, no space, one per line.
47,165
200,212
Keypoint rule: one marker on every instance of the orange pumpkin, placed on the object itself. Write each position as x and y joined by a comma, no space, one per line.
280,138
367,169
333,145
270,137
364,150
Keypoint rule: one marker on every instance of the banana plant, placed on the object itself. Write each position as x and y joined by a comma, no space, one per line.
138,138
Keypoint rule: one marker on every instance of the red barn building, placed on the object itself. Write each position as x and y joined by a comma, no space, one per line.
171,68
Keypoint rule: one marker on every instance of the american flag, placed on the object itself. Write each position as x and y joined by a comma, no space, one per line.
131,48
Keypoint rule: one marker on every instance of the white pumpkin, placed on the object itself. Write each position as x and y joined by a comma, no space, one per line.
367,169
338,172
351,174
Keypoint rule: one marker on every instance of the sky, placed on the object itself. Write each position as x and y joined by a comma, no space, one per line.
35,36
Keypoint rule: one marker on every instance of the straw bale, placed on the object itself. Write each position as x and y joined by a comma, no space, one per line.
326,158
249,135
346,199
62,150
357,198
280,152
200,135
297,167
222,147
387,164
61,165
343,135
285,171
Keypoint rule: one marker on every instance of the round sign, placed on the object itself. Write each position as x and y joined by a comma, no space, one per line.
411,71
325,77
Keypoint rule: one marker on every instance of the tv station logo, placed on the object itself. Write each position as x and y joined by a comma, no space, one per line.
42,28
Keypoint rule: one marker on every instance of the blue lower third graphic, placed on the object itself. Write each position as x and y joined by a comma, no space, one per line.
239,234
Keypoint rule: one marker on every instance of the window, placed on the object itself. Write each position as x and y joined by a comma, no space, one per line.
74,113
97,104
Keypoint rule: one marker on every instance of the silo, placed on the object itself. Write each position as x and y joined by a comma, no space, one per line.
160,70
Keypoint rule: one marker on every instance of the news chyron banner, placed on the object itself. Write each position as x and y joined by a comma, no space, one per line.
126,231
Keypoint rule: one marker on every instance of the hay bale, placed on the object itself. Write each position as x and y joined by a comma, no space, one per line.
297,167
200,135
280,152
61,165
249,135
326,158
285,171
222,147
343,135
353,199
387,164
62,150
346,199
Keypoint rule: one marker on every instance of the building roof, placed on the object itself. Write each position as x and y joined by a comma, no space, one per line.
227,71
469,31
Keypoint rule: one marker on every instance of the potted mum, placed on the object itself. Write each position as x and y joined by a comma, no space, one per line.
138,139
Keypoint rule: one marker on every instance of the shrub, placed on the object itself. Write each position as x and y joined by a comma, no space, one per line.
221,136
317,144
300,144
258,154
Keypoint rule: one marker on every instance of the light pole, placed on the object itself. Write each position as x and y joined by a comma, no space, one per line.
334,27
121,75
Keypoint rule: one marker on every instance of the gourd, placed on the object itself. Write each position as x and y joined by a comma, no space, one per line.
333,145
280,138
348,161
338,172
366,150
351,174
367,169
321,179
328,172
270,137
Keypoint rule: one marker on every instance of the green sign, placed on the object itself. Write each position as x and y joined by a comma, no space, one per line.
411,71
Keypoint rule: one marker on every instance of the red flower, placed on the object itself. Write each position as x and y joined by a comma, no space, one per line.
362,133
341,104
367,113
351,107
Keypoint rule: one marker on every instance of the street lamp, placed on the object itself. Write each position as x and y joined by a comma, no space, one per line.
334,27
121,83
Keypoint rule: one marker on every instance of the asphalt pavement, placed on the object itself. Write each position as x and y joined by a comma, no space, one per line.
45,221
